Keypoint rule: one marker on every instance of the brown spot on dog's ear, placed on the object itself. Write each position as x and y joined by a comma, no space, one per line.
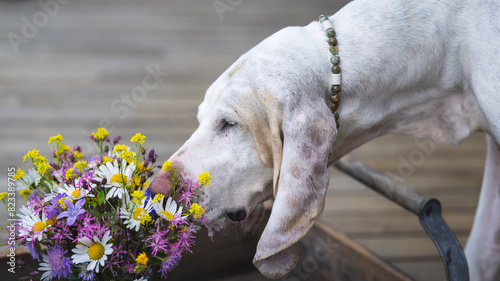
295,170
496,237
236,68
181,152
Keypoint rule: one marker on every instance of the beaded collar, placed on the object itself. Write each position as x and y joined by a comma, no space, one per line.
335,60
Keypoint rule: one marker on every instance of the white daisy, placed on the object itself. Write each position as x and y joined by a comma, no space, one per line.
71,192
45,266
116,177
169,210
135,213
94,251
31,177
32,223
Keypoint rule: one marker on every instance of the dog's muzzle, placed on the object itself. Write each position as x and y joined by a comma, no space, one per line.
236,215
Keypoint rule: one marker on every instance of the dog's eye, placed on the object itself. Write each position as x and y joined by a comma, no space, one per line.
227,124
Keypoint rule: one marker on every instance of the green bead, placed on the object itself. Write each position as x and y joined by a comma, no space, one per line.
336,89
335,59
322,18
335,69
336,114
334,50
332,41
330,32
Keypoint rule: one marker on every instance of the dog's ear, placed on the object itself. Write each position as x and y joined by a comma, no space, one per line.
301,182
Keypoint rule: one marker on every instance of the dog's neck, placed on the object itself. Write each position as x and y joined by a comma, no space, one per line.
401,73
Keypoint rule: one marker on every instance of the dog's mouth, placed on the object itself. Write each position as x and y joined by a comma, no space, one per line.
217,221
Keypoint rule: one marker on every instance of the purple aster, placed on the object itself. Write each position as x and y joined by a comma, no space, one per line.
168,265
86,275
60,264
72,211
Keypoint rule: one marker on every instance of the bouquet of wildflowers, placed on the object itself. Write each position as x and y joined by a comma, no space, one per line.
94,218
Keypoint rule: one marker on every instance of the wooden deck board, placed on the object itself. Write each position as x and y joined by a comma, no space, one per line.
65,79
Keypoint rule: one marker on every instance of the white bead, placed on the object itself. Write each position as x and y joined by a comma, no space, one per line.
327,24
337,79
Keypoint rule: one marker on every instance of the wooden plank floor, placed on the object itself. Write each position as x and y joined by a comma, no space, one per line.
75,72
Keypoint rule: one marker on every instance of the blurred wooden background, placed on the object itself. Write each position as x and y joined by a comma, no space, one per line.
74,66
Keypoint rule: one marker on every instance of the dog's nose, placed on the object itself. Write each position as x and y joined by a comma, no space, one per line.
162,184
236,215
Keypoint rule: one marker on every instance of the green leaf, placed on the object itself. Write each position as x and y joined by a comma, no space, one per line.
99,215
95,213
100,197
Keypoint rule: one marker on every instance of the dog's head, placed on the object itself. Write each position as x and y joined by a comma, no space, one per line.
265,129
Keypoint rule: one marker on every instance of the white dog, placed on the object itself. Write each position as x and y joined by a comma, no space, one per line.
426,69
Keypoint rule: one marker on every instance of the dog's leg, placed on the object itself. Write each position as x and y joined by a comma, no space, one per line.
483,247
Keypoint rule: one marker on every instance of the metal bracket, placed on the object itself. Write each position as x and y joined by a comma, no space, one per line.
427,210
451,252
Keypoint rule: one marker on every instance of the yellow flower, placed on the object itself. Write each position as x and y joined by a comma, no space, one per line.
196,210
25,193
137,180
3,195
19,174
137,196
78,155
34,154
145,219
167,165
63,147
52,221
61,202
56,139
81,165
205,178
142,259
43,166
107,159
158,197
101,134
70,174
138,138
128,156
119,148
